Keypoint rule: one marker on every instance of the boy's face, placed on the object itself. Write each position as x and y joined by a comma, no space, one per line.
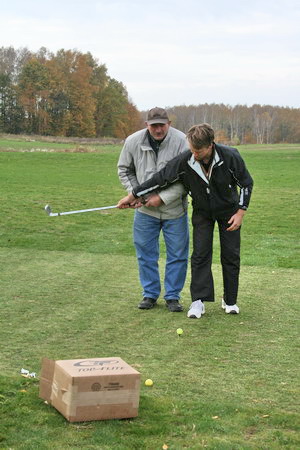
202,154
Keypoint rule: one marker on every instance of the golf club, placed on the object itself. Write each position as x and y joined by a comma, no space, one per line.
50,213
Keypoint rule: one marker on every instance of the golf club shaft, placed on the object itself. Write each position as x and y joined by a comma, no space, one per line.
64,213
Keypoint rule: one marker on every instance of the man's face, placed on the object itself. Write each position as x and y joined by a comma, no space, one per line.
202,154
158,130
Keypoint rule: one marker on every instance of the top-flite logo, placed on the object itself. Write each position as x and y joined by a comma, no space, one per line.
95,363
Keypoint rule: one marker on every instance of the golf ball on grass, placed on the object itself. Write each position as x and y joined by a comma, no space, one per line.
148,382
179,331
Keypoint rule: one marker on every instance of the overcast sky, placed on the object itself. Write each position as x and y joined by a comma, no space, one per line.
173,52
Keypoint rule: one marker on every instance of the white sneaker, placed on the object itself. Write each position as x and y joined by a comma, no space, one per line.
230,309
196,310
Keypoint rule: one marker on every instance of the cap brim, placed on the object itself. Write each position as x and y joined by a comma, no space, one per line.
151,122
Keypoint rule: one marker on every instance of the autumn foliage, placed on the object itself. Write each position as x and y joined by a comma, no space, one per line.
62,94
70,94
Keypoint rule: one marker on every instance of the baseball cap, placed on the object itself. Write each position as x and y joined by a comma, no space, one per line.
157,115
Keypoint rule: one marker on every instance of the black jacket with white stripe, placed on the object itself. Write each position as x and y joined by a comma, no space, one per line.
227,188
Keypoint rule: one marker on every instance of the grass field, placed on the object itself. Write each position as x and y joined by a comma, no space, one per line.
69,289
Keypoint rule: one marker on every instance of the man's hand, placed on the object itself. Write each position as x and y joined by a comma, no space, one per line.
127,202
153,200
236,220
131,202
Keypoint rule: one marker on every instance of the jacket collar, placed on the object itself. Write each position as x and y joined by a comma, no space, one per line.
217,161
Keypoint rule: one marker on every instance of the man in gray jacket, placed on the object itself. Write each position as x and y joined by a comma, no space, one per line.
144,153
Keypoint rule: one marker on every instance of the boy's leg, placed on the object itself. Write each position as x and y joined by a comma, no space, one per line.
230,242
202,284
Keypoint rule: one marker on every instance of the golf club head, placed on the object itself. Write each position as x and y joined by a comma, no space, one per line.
48,210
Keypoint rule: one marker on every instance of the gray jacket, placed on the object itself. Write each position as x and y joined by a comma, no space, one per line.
138,162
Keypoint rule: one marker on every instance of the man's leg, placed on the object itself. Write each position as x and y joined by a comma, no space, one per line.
230,259
202,284
146,231
176,235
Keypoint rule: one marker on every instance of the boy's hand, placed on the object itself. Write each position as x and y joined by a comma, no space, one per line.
153,200
236,220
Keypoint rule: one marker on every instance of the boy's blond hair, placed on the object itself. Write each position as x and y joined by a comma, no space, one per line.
201,135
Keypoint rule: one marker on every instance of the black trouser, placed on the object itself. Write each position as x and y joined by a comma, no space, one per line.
202,283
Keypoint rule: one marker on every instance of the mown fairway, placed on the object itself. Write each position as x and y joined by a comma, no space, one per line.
69,289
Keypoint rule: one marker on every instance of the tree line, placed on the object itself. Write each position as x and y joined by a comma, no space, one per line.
241,124
70,94
64,94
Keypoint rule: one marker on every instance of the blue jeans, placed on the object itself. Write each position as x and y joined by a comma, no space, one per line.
146,231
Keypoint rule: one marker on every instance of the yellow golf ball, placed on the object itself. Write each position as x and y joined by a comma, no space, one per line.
179,331
148,382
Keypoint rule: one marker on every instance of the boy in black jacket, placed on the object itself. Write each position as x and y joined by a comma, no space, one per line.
211,174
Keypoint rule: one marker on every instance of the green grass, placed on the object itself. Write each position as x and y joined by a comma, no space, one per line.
69,289
272,223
